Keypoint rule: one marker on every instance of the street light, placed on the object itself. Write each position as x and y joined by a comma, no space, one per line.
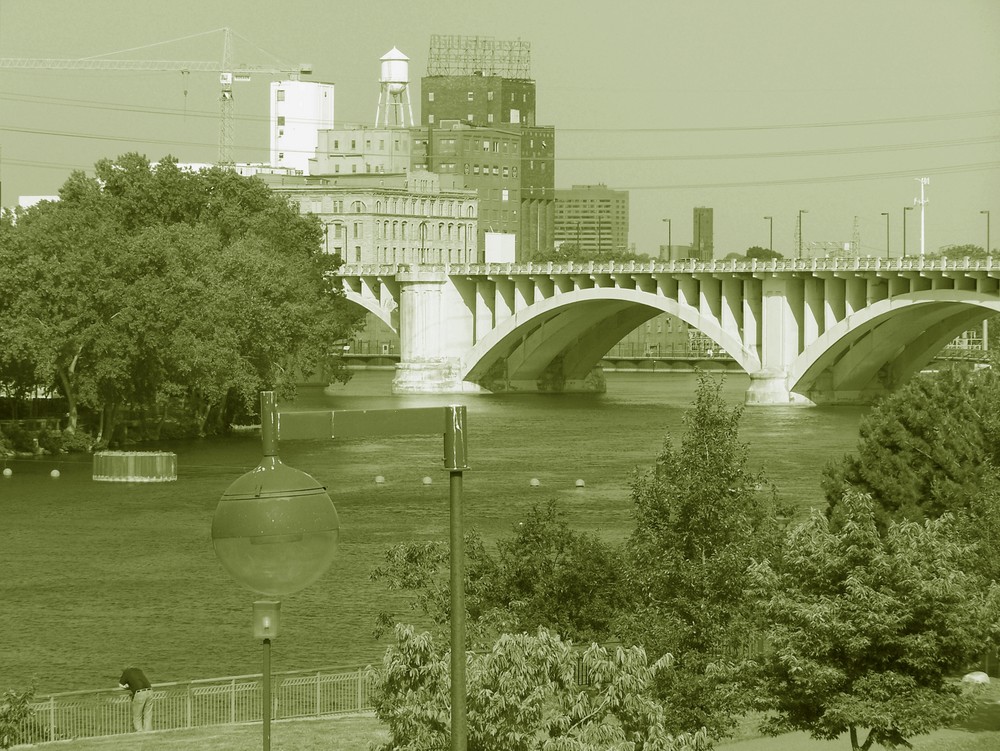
770,233
801,212
886,215
276,531
905,209
670,240
987,230
451,422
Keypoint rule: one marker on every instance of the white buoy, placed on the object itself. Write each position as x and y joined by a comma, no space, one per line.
379,480
54,473
7,472
535,483
580,483
428,481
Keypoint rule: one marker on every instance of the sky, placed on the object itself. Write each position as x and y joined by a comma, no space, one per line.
755,108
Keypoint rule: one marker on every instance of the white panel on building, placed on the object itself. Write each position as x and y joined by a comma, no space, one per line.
499,247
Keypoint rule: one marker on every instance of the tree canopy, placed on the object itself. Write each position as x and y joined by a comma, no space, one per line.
523,695
147,286
927,448
865,627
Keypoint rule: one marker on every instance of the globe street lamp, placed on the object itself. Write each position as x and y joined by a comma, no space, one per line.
275,531
886,215
905,209
412,421
770,232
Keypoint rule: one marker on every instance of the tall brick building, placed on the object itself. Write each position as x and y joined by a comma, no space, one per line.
477,115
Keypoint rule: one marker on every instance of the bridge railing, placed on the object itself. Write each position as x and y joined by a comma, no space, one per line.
199,703
687,266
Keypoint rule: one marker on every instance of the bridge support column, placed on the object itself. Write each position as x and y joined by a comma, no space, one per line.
424,367
770,388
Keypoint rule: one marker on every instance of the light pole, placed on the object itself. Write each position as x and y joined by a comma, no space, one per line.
423,238
886,215
801,212
670,241
987,230
770,233
373,423
275,530
905,209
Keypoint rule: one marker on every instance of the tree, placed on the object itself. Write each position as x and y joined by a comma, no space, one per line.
927,448
866,627
522,695
701,518
16,716
544,575
150,285
756,251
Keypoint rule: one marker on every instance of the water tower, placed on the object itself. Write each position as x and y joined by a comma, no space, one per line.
393,91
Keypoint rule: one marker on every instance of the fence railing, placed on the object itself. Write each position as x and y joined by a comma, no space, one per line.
212,701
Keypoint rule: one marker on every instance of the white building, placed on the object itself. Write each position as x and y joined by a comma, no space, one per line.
299,110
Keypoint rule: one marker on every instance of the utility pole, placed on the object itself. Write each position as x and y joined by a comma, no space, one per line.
921,202
987,230
801,212
670,242
770,233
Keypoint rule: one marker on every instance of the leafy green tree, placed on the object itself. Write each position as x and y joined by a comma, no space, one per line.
522,695
929,447
865,627
545,574
701,518
148,285
16,716
756,251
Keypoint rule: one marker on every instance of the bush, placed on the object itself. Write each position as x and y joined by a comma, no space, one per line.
77,441
16,715
51,441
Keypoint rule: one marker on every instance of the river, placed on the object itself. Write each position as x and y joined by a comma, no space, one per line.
96,576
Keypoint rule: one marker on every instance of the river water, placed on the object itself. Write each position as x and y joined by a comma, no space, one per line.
94,576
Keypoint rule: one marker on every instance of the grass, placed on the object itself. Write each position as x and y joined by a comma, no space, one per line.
981,732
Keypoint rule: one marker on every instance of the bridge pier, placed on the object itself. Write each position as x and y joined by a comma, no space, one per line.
769,388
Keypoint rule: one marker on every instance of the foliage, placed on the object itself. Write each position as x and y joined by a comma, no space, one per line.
701,518
927,448
959,251
572,252
865,627
149,286
16,715
545,574
522,696
756,251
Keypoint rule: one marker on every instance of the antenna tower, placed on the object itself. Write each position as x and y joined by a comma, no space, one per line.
856,238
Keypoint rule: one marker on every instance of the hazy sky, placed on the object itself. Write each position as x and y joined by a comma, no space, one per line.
752,107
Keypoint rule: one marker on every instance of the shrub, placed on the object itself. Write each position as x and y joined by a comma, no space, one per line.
16,715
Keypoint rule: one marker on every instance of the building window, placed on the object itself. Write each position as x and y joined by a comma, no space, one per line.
489,117
281,119
470,96
281,155
357,230
430,119
354,144
354,168
381,144
504,195
486,145
469,117
280,95
489,96
505,172
430,96
475,169
336,144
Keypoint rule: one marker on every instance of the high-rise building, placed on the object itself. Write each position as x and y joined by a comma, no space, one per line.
593,218
703,242
299,110
478,121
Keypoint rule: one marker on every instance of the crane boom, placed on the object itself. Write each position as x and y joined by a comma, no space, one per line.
224,67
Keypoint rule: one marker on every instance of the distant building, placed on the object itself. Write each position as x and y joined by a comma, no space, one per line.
361,150
593,218
415,217
703,242
299,111
478,121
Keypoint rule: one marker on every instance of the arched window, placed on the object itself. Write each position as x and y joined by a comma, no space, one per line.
470,211
358,207
378,207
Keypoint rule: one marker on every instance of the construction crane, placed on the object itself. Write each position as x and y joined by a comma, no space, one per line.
224,67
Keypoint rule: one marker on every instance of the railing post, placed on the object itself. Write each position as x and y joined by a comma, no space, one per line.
52,718
190,707
361,689
232,701
317,693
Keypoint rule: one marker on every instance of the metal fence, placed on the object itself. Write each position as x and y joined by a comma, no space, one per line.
212,701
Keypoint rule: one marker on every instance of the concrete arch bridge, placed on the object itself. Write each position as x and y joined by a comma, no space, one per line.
824,331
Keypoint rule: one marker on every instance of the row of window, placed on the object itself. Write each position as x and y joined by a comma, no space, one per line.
424,206
470,96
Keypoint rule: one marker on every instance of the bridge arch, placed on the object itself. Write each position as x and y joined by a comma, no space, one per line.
388,316
884,344
556,342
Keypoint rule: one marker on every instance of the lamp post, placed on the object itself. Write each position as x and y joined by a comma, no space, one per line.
276,531
413,421
423,238
670,240
770,233
886,215
905,209
987,230
801,212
